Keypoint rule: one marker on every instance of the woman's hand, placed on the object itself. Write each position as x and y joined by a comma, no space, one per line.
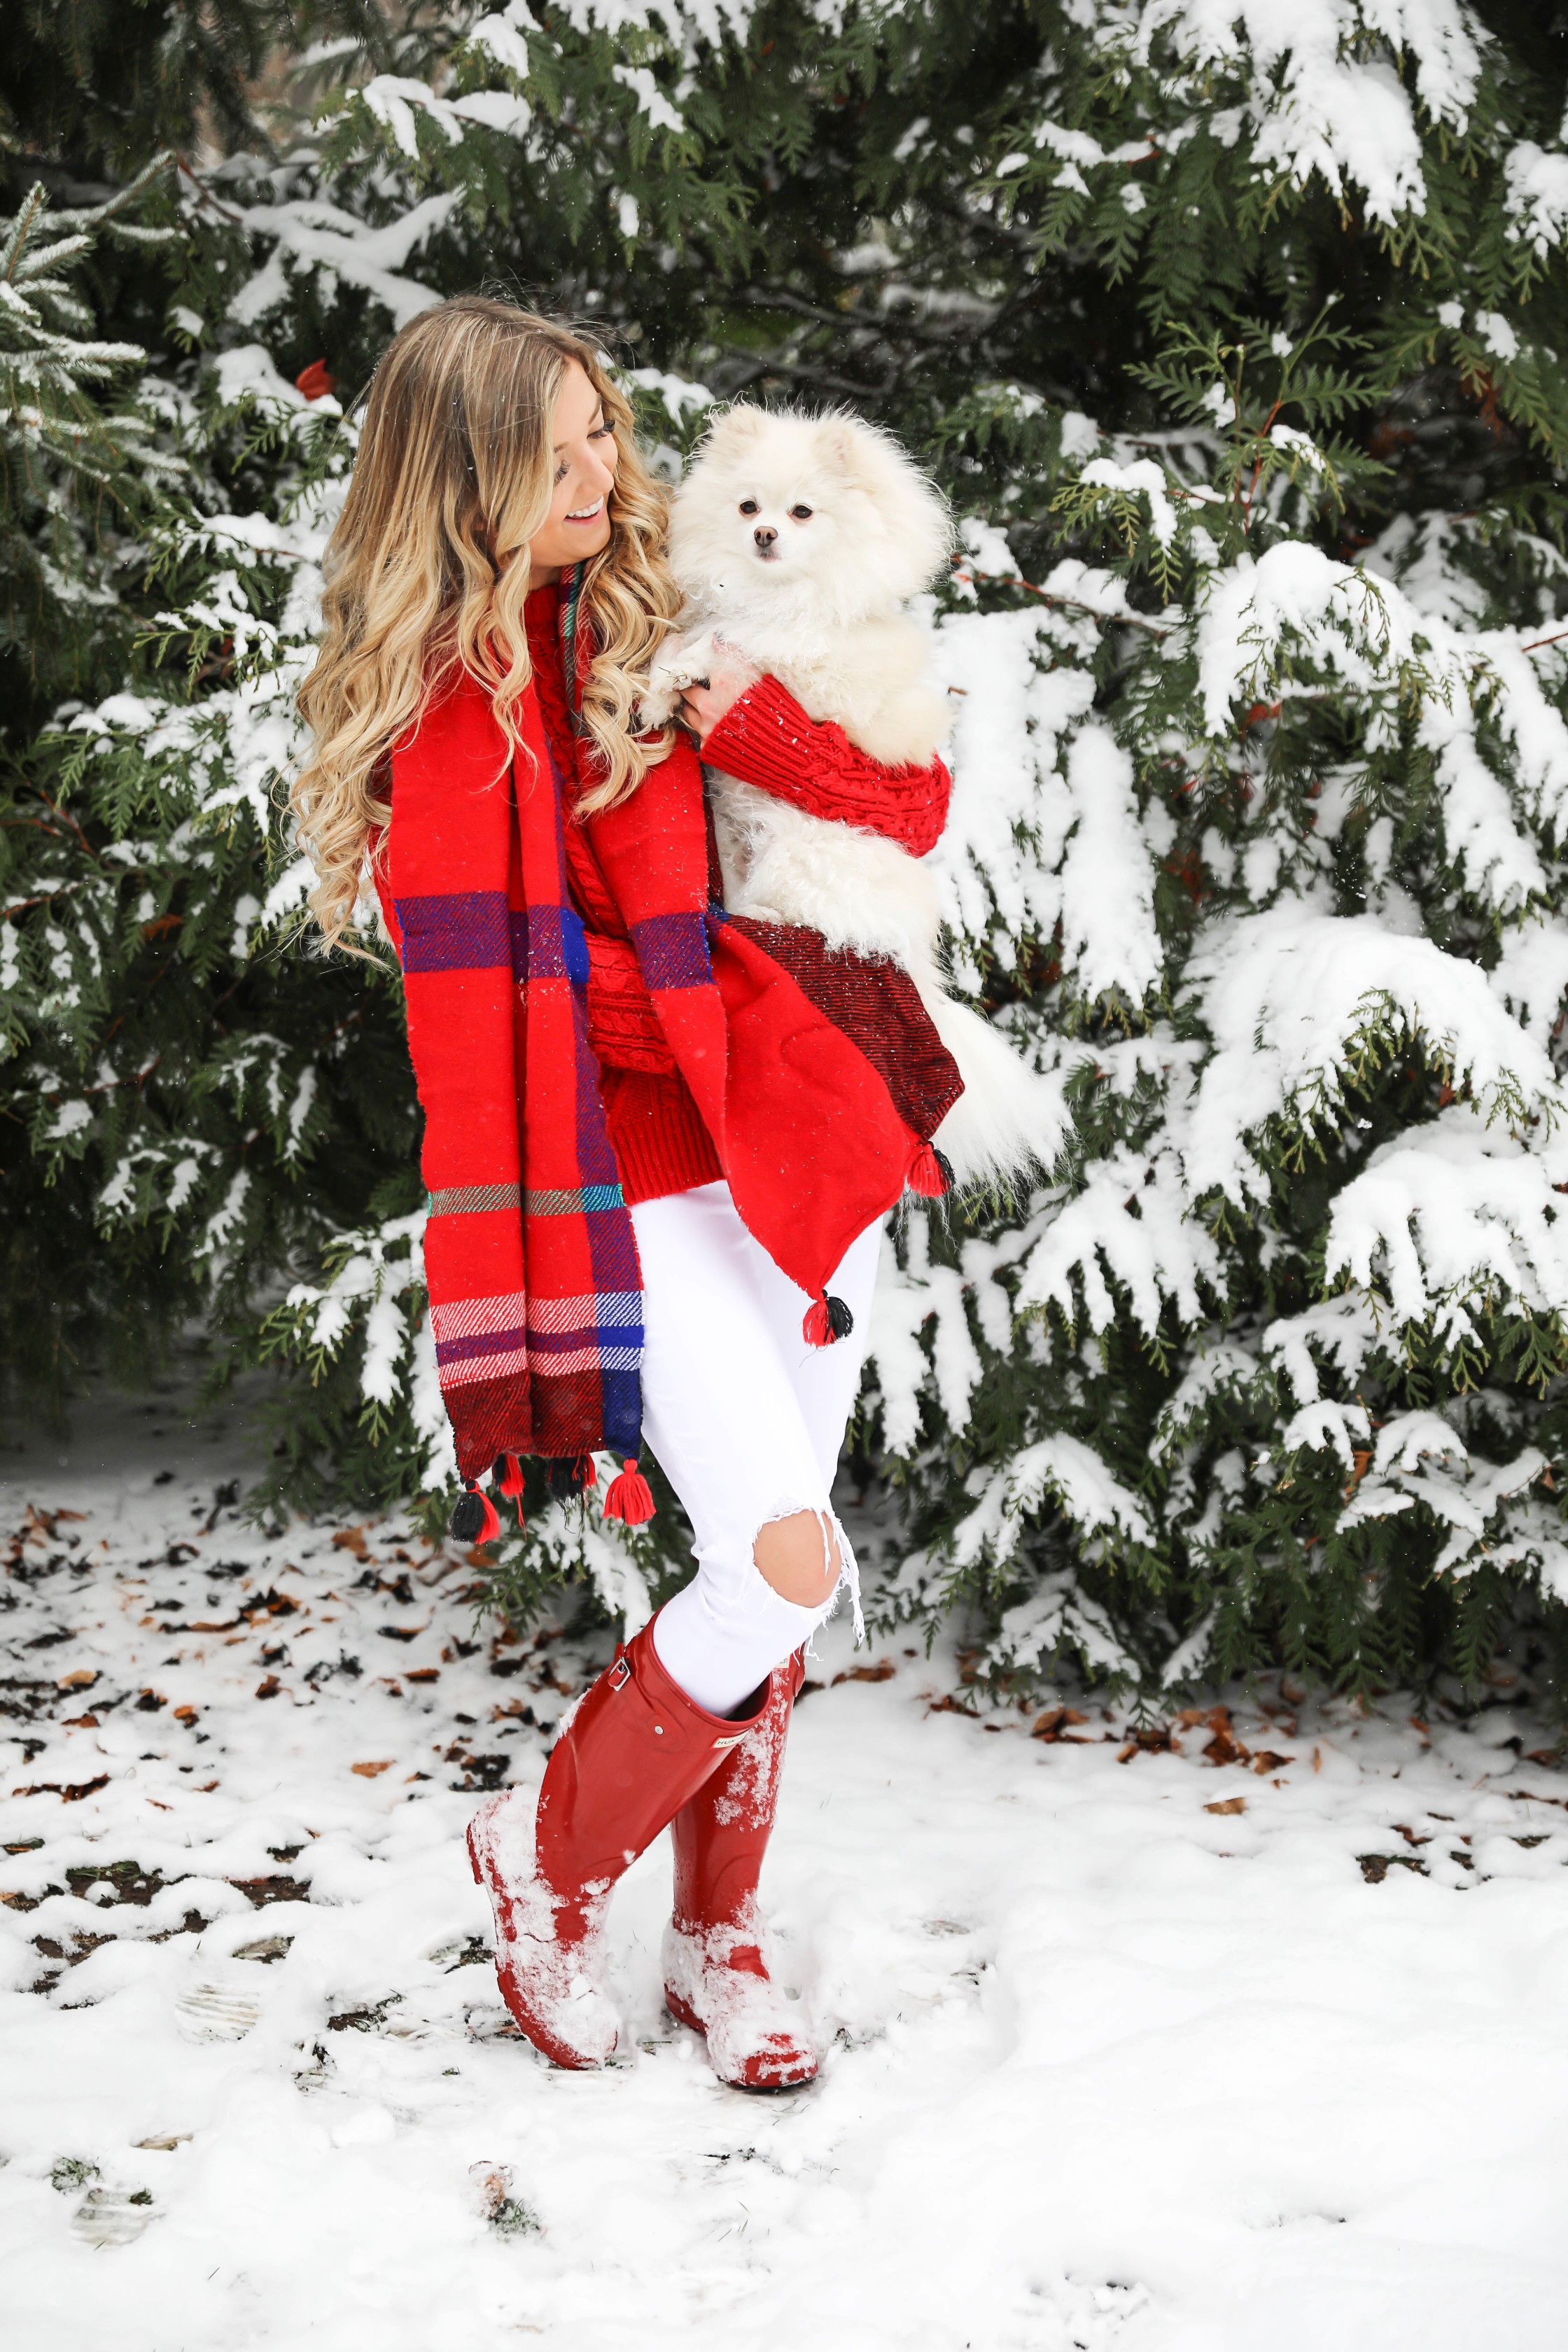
702,706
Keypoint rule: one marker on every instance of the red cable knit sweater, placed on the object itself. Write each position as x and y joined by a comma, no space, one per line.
766,739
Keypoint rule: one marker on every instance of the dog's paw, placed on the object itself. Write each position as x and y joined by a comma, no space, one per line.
665,688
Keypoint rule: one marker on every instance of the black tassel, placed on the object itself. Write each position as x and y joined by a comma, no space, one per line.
840,1321
945,1164
474,1519
467,1516
570,1475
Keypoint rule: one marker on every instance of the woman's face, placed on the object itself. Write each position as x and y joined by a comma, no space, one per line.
578,523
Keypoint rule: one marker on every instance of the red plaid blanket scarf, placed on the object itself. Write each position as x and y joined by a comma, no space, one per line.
531,1265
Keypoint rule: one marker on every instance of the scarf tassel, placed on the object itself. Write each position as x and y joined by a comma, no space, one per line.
930,1174
507,1476
571,1476
629,1498
474,1517
824,1320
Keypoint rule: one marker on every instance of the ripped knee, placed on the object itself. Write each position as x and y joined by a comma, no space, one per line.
799,1557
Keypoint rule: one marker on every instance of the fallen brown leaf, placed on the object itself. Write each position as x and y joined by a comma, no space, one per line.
71,1793
883,1671
369,1771
272,1603
82,1678
269,1687
352,1540
1227,1805
1050,1725
1154,1739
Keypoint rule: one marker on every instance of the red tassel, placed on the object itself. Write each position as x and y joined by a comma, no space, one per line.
587,1472
629,1498
510,1482
824,1320
925,1176
489,1525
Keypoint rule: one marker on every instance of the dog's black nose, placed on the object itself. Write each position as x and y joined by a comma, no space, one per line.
765,535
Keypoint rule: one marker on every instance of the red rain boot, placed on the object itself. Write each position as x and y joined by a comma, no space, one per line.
630,1754
715,1978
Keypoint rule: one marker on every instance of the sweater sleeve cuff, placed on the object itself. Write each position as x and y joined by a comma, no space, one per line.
767,739
760,738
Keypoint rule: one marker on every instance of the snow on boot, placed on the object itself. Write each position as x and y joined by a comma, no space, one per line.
715,1975
629,1755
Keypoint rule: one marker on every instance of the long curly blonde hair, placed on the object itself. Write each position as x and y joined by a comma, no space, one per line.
428,568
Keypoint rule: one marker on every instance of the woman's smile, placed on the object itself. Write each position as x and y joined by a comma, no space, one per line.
584,453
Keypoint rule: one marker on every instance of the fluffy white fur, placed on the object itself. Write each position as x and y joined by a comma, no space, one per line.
795,540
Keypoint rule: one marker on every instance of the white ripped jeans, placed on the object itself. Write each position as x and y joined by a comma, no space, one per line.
746,1418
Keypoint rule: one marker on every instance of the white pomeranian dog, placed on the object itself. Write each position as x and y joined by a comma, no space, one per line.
795,540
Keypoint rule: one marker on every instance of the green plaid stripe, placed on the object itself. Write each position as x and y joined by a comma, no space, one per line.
474,1200
575,1203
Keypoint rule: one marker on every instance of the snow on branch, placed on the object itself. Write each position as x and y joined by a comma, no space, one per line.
1453,1212
1301,1002
315,235
1316,83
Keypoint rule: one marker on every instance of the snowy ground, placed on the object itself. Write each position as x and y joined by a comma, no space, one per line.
1178,2050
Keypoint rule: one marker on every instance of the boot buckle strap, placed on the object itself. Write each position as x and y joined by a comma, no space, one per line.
620,1674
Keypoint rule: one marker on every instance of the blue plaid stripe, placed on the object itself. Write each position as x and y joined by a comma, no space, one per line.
623,1353
673,950
617,1319
455,930
621,1392
547,943
479,1343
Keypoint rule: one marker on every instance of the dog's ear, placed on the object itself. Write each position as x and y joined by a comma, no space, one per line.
841,441
738,426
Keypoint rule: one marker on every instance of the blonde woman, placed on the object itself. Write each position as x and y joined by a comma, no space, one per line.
659,1144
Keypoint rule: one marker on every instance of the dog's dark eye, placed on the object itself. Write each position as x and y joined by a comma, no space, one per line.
749,506
800,514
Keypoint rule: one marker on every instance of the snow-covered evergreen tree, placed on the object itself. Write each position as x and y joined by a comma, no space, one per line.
1235,335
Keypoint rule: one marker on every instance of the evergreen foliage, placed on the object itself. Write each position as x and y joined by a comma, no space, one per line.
1240,345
